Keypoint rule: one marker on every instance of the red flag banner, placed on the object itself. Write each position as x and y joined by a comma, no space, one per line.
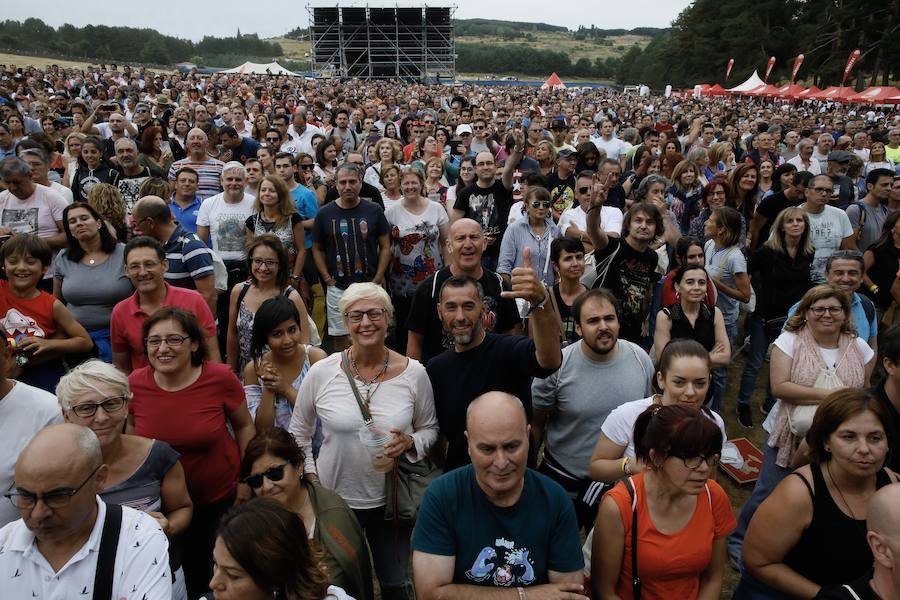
851,60
769,68
797,62
728,70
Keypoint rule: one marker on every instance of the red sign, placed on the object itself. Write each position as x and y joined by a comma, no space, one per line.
851,60
797,62
728,70
753,459
769,68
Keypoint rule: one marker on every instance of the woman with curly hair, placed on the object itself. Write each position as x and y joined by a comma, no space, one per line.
387,152
107,201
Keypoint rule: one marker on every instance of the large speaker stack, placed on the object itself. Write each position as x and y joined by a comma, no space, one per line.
412,43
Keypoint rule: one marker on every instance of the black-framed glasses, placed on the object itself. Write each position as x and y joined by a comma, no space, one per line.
172,341
89,409
269,263
272,140
820,190
374,314
307,167
694,462
541,204
273,474
821,310
23,499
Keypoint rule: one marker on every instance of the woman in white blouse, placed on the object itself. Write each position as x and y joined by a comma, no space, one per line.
398,394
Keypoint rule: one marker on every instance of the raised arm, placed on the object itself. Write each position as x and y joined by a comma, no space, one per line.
526,284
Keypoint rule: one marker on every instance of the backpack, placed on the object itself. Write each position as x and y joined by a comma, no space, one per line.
220,271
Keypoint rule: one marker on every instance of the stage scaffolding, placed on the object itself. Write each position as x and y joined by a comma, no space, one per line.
412,43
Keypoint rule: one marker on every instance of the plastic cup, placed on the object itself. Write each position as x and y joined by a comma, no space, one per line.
374,438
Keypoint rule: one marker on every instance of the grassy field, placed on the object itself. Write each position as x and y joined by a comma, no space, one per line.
37,61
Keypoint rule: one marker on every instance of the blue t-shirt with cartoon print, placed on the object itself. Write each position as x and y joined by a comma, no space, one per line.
499,546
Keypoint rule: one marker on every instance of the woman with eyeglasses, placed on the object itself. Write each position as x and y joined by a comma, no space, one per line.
355,456
810,534
191,403
714,195
537,232
144,474
670,519
273,468
268,265
466,178
817,352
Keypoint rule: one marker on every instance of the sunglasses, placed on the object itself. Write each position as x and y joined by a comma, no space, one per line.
276,473
541,204
584,190
307,167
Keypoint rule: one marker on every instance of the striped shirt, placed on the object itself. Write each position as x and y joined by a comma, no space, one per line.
210,173
189,259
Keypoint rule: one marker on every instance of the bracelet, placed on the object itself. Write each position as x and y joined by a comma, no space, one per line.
625,466
518,150
592,208
541,304
521,593
873,288
331,279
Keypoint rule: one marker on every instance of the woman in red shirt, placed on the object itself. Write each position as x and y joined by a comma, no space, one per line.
183,400
682,517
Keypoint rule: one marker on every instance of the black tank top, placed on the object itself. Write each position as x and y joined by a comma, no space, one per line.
703,330
833,549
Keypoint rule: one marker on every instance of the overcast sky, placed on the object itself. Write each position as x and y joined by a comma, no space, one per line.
274,17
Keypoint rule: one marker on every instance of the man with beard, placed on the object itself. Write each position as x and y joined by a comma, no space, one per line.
426,337
132,174
596,375
482,362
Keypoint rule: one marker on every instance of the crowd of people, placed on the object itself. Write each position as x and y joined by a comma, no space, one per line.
531,299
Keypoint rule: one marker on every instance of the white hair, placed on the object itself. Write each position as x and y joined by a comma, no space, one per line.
366,291
89,446
234,166
86,378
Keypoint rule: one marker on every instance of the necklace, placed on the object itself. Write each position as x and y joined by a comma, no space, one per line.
367,385
840,493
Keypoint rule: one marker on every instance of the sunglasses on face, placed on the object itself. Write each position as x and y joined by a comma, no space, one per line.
307,167
274,474
541,204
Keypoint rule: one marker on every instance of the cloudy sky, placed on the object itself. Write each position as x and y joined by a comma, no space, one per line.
274,17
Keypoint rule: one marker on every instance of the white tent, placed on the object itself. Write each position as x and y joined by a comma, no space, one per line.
752,82
251,68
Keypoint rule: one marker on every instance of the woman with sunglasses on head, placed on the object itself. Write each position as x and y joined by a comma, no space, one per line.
144,474
670,519
811,532
537,231
268,265
194,405
355,455
273,468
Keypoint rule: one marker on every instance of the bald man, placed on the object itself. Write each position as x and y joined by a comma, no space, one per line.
496,523
52,551
425,334
208,169
190,260
883,524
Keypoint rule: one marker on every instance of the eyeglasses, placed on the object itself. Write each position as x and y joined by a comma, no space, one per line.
146,266
270,263
22,499
374,314
584,190
485,163
89,409
478,127
541,204
276,473
307,167
172,341
821,310
272,140
693,462
821,191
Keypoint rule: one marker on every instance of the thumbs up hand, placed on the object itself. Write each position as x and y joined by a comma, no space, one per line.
526,284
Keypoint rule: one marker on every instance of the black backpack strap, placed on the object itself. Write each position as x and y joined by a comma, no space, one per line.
241,294
106,556
868,308
635,578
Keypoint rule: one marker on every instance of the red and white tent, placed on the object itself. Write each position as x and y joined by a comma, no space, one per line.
790,90
716,90
835,93
893,99
553,82
874,95
808,93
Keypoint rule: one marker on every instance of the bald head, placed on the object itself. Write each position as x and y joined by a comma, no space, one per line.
78,444
496,408
152,207
884,511
464,225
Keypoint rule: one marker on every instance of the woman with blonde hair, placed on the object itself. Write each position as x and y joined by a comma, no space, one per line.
71,155
107,201
387,152
721,155
274,212
545,154
683,196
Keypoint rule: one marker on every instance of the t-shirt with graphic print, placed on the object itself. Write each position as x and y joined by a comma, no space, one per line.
349,238
514,546
415,245
226,222
489,207
630,278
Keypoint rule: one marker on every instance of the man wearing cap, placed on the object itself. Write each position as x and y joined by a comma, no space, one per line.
838,162
161,104
892,148
560,134
561,181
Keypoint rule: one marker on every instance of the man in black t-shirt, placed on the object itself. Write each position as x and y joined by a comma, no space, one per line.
484,362
770,206
487,201
426,337
366,192
561,182
627,265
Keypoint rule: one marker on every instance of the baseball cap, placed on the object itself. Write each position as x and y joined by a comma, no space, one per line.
559,122
565,153
461,129
839,156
